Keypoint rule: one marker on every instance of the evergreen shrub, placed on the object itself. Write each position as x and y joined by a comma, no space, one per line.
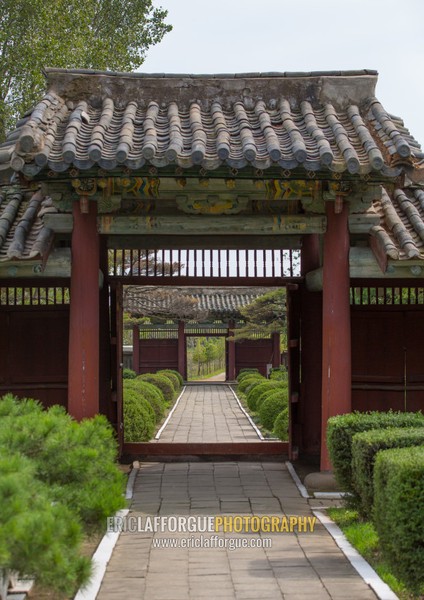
365,447
271,407
281,425
161,382
342,428
398,512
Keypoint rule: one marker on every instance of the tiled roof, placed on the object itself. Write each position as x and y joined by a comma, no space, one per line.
214,302
401,229
315,121
23,235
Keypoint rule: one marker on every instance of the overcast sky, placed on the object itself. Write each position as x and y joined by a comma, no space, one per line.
229,36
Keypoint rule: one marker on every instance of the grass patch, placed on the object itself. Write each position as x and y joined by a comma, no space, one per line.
363,536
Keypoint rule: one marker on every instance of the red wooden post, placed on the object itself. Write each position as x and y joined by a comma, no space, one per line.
336,349
276,349
181,350
83,374
136,349
231,375
311,355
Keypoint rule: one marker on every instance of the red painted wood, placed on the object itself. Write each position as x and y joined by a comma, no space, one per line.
158,354
336,340
182,366
198,449
254,354
309,411
83,392
231,370
136,349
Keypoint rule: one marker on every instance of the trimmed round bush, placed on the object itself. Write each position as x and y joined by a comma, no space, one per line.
161,382
129,374
150,393
278,374
244,372
264,395
252,385
271,408
247,381
342,428
172,378
139,417
173,372
281,425
254,394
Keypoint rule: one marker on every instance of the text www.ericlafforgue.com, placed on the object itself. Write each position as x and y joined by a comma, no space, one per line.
213,541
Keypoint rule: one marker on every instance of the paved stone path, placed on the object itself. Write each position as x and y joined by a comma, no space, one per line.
298,566
208,413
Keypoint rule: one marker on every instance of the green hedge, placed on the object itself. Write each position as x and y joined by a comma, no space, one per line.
342,428
248,380
128,374
253,384
398,512
281,425
149,392
161,382
172,372
279,374
139,417
244,372
271,408
279,385
255,393
172,378
365,446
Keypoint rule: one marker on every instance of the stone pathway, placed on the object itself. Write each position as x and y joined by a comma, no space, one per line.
298,566
207,414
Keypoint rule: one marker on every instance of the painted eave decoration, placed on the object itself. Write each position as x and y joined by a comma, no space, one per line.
329,121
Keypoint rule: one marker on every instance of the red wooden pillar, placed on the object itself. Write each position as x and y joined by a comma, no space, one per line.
336,349
276,349
136,349
311,352
231,375
83,375
181,350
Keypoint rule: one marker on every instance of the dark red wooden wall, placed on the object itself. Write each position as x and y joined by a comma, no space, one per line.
157,354
387,358
253,354
34,352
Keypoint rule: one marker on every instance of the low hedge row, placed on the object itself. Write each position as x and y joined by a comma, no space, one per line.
365,447
398,512
271,407
342,428
281,425
163,382
248,381
245,372
256,392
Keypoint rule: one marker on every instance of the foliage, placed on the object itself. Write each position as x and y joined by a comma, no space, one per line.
149,392
139,417
255,393
271,408
245,372
263,316
129,374
276,385
162,383
171,375
279,374
39,538
99,34
281,425
342,428
57,476
176,373
207,355
398,512
247,381
365,446
72,458
252,384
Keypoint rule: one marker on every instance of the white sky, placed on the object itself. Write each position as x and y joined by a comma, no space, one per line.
230,36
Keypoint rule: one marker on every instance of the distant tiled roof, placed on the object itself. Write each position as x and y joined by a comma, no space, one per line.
215,302
401,229
315,121
23,235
